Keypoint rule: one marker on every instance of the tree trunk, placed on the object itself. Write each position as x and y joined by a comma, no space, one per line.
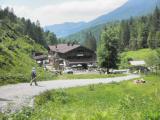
108,71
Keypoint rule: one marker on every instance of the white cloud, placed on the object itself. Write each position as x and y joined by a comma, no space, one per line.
68,11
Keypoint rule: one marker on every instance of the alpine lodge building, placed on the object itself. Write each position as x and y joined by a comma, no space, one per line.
70,55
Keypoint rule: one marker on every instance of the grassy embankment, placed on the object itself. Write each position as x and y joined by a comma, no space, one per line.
114,101
142,54
16,58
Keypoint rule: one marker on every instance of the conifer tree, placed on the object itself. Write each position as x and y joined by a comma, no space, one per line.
107,52
151,40
157,39
124,34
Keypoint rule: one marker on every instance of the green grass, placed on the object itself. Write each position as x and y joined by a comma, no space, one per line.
85,76
16,58
142,54
115,101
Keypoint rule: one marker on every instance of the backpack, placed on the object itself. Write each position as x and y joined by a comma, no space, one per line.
33,73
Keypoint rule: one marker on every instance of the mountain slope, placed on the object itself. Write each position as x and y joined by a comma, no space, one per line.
65,28
81,35
15,56
131,8
16,49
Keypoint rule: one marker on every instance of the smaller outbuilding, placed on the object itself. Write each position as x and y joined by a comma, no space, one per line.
39,57
138,66
137,63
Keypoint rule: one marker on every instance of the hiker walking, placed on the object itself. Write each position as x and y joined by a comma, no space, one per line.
33,76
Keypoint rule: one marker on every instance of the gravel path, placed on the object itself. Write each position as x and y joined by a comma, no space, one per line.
14,97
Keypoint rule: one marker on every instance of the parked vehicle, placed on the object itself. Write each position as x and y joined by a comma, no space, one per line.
68,71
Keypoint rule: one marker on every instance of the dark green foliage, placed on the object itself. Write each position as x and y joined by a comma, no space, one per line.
107,51
141,32
151,40
124,34
92,87
155,20
51,38
12,79
20,26
132,34
81,36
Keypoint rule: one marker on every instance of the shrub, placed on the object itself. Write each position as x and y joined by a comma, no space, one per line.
24,114
61,96
54,96
3,117
43,98
92,87
153,116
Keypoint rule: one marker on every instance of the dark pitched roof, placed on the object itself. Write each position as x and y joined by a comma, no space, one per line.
40,57
63,48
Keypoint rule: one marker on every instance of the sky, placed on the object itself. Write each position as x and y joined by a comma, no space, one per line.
50,12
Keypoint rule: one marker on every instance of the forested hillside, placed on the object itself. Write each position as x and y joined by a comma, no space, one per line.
132,34
19,38
137,33
26,27
96,30
82,35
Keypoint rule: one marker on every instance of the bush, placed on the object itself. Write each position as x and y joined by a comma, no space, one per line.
92,87
43,98
3,117
153,116
24,114
61,96
13,78
54,96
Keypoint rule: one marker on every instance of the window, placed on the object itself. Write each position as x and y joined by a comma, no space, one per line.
80,55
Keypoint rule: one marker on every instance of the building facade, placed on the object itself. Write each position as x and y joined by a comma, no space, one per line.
72,55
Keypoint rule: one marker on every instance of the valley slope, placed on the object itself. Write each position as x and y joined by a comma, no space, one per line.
131,8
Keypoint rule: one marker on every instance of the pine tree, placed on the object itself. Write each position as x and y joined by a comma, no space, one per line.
124,34
142,36
50,38
155,22
133,37
151,40
108,48
157,39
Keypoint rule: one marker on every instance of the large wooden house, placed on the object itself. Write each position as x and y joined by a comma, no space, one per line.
72,55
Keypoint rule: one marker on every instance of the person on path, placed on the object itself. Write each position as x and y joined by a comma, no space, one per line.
33,77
